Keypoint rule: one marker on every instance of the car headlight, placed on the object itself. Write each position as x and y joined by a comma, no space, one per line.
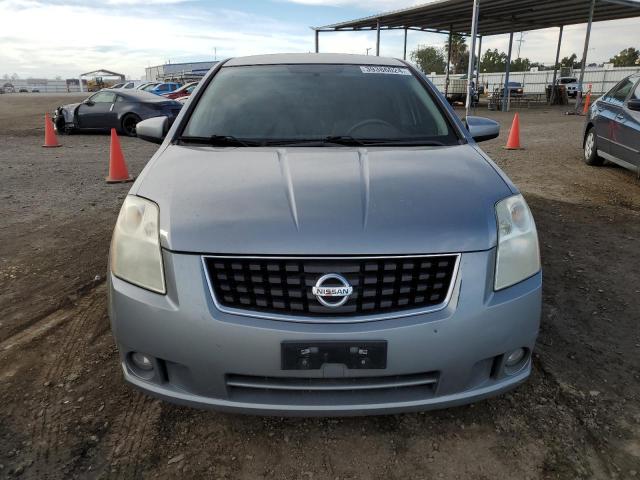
135,246
518,255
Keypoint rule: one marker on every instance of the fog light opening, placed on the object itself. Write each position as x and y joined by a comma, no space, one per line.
142,365
514,361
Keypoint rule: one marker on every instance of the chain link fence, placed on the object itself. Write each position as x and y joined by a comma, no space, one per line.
602,80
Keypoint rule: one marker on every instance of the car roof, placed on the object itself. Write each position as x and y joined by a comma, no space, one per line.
313,58
138,95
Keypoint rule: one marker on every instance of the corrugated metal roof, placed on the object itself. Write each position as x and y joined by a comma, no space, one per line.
496,16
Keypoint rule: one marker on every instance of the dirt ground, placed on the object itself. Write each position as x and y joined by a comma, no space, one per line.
66,413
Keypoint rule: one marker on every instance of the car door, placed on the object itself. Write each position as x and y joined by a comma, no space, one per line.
97,111
629,129
621,123
607,108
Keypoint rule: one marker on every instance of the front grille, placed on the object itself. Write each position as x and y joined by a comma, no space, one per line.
381,285
331,391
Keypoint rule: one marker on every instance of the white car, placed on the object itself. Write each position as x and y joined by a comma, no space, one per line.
129,85
571,84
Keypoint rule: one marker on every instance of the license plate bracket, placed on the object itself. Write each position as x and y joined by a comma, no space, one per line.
370,354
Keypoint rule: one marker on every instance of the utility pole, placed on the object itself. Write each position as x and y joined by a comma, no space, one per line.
520,42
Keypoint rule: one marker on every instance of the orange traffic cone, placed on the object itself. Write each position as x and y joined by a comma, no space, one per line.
513,142
118,172
586,103
50,139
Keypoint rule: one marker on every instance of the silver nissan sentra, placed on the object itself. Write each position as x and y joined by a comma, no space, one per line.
320,234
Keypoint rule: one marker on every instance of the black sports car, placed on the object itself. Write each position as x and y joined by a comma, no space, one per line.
117,109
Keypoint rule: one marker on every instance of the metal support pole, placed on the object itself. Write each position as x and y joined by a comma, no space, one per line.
472,52
446,78
506,91
555,67
404,55
377,38
584,55
317,41
478,62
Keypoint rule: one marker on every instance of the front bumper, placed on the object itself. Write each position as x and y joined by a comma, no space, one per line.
197,349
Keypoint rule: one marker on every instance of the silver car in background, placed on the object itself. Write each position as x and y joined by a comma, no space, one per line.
321,235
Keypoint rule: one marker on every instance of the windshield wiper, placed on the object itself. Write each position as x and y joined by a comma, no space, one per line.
348,140
329,139
402,142
219,141
342,140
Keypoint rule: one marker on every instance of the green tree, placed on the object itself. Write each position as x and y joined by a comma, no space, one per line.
429,59
628,57
459,53
571,61
520,65
493,61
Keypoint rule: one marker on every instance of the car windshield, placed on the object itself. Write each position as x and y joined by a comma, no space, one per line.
307,103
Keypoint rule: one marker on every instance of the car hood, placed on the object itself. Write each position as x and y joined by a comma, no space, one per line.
324,201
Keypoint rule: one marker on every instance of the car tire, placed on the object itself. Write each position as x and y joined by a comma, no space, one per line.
128,124
61,126
590,149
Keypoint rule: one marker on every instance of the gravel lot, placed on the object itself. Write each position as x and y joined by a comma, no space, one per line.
66,412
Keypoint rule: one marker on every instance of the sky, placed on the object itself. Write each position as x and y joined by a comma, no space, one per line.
50,38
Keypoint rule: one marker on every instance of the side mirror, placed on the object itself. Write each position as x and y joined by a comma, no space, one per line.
634,105
482,128
153,129
89,103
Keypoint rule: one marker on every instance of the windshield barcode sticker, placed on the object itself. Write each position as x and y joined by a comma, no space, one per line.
386,70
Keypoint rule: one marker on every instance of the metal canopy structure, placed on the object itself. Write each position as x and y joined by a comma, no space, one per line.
103,73
496,16
100,73
493,17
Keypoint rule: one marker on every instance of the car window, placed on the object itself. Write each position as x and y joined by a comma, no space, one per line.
311,102
129,85
103,97
619,93
636,93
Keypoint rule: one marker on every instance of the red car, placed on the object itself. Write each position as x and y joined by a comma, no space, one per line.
183,91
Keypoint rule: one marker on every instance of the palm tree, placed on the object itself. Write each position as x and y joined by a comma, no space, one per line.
459,53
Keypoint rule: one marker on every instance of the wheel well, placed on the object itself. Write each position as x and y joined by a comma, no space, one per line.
586,131
128,114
